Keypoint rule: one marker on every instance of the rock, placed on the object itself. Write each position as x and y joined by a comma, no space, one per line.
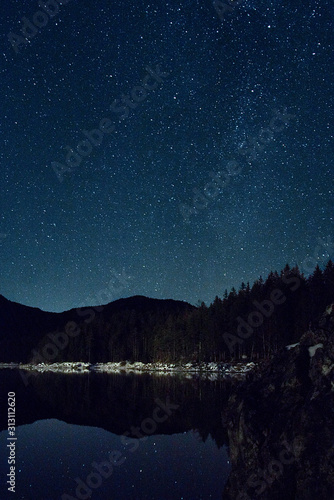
280,423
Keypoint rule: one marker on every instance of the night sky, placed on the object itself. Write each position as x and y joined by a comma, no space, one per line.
216,173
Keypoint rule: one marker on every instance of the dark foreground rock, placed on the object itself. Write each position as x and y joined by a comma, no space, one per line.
280,424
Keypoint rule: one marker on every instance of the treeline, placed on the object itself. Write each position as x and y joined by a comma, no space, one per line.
253,322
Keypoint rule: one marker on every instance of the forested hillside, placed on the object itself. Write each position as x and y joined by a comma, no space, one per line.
254,322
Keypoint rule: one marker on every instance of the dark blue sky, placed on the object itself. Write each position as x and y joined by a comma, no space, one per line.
249,92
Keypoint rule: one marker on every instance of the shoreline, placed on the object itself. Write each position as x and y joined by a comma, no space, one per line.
159,368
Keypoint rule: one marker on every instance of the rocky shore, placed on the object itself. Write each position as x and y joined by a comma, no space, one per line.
280,423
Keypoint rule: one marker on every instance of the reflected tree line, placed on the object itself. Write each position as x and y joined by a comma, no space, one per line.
117,402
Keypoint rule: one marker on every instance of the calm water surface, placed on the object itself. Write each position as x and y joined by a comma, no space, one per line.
124,437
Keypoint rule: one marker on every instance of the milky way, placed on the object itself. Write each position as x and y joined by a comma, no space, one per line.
211,157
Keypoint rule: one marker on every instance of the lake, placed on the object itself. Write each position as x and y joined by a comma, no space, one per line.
115,436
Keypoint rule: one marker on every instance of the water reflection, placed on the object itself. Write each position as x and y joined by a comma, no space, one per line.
78,420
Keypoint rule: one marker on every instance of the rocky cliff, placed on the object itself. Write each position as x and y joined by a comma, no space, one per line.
280,423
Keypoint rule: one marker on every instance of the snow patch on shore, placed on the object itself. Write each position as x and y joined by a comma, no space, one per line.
210,370
312,350
291,346
68,367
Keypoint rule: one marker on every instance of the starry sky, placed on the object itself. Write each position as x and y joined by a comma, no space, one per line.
193,467
215,173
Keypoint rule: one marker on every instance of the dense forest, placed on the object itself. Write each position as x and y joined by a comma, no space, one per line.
253,322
